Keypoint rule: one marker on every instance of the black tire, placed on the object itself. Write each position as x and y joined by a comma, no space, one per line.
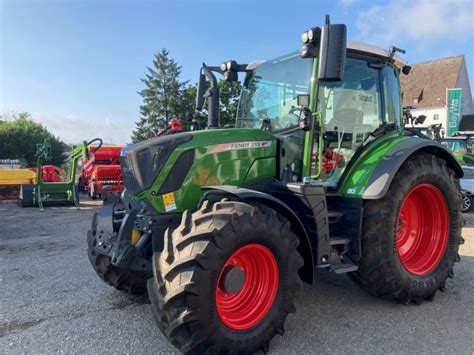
76,193
466,201
185,276
26,196
381,271
128,281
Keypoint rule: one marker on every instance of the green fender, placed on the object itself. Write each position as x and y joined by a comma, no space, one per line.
373,171
306,271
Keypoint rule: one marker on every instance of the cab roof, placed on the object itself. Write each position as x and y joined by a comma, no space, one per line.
353,47
365,48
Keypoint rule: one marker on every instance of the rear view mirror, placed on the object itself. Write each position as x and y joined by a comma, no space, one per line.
201,90
332,52
420,119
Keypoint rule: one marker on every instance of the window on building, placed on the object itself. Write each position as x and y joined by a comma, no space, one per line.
436,117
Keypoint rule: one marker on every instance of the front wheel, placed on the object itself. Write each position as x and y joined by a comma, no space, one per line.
226,279
411,237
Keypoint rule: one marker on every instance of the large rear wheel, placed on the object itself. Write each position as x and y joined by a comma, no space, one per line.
226,279
411,237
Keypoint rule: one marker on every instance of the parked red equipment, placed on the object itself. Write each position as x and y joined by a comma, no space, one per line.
101,170
12,179
50,173
164,128
176,126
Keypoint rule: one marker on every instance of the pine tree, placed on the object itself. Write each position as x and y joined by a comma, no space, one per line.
229,100
140,132
161,95
165,96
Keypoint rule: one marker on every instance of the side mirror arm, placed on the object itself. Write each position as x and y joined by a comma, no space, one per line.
212,95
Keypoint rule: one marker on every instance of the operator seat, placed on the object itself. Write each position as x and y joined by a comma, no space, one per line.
342,127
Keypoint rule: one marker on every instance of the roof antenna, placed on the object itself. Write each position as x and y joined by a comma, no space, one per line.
393,50
406,68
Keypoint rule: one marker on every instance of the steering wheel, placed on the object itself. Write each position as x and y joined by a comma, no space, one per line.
96,148
290,119
347,117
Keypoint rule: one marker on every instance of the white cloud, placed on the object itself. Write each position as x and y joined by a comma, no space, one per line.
74,129
424,21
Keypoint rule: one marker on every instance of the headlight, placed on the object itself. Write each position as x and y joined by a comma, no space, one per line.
305,37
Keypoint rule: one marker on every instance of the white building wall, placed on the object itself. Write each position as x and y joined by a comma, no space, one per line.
467,105
430,116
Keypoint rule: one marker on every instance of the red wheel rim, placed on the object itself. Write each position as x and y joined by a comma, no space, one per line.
249,305
422,229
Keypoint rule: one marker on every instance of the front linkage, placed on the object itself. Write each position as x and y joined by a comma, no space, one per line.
120,241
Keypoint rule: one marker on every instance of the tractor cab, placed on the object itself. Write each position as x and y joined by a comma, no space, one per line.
458,144
350,110
461,144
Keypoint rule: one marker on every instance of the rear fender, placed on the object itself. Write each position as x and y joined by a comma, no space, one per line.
386,169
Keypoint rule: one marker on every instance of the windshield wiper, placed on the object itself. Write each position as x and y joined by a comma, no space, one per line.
384,128
414,132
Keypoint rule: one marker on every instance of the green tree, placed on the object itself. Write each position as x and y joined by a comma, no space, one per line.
19,135
229,93
188,107
161,96
141,131
229,100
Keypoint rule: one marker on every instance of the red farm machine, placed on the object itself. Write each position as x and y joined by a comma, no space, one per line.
101,170
11,179
49,173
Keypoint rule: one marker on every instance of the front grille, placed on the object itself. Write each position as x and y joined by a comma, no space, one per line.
129,179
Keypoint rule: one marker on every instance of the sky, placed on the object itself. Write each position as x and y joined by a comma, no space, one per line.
76,66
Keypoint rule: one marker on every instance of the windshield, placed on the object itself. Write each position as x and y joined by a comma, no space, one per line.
455,145
269,101
269,93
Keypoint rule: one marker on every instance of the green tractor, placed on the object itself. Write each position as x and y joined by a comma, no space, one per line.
220,226
460,144
55,193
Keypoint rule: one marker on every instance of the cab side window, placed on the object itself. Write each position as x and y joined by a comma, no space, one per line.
392,95
351,110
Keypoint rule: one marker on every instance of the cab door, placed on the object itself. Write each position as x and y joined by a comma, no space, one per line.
350,110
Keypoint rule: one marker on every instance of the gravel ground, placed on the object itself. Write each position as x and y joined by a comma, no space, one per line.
52,301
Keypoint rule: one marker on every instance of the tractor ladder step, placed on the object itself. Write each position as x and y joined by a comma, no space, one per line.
339,241
334,216
343,266
339,262
335,222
